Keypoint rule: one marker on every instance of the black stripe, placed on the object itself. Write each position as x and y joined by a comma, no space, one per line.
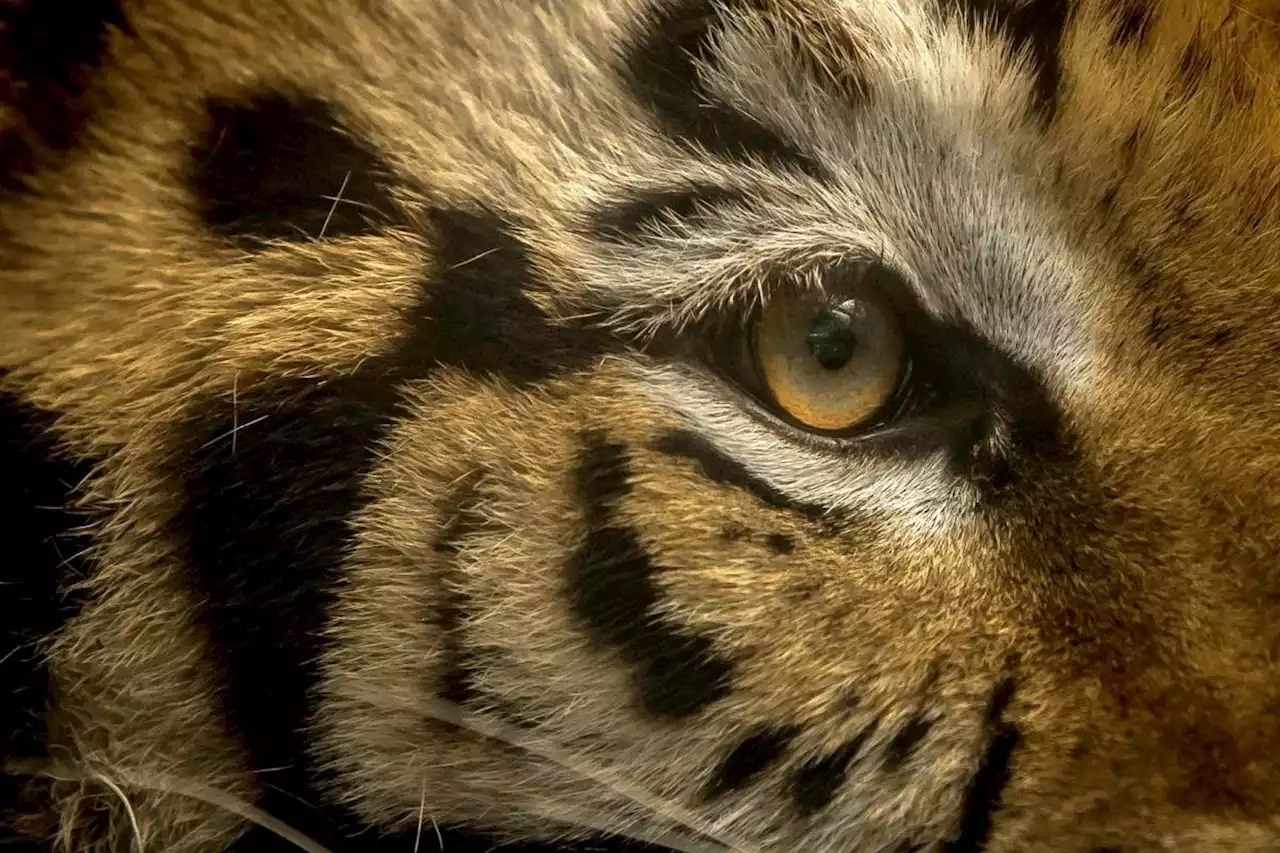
719,468
275,167
42,556
780,543
639,211
815,785
50,53
982,800
613,593
1133,22
905,740
1036,28
1194,64
659,66
263,520
752,756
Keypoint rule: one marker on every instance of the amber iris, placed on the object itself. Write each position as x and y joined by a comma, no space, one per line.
830,362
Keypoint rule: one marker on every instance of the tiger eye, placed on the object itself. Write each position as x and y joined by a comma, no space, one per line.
830,363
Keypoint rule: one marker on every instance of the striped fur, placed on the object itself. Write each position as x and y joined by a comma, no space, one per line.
367,470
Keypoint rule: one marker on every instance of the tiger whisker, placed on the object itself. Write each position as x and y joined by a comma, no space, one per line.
164,783
609,825
448,712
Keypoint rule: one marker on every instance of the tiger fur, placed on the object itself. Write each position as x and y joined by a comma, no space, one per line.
371,461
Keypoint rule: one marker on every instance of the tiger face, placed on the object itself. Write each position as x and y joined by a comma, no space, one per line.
737,425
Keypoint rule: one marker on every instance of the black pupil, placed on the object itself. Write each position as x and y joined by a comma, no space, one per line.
831,338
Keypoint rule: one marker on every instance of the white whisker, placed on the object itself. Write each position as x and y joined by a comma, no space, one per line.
128,810
610,826
163,783
422,807
337,199
450,713
471,260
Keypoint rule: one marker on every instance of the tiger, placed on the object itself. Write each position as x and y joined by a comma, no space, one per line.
721,426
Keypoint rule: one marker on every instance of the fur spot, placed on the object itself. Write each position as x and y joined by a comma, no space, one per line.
732,531
41,559
643,211
461,521
1107,203
612,591
780,543
660,66
279,168
982,800
1194,65
1036,30
905,741
1133,22
50,52
752,756
815,785
1129,149
718,468
802,591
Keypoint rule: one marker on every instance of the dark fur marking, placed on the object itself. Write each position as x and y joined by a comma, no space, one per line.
642,211
719,468
660,68
461,521
905,740
264,527
270,167
982,800
613,594
834,60
51,52
745,762
1185,216
802,591
815,785
482,319
1035,29
1194,64
1263,208
1132,24
263,520
732,531
1129,150
780,543
1107,203
1159,325
41,560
